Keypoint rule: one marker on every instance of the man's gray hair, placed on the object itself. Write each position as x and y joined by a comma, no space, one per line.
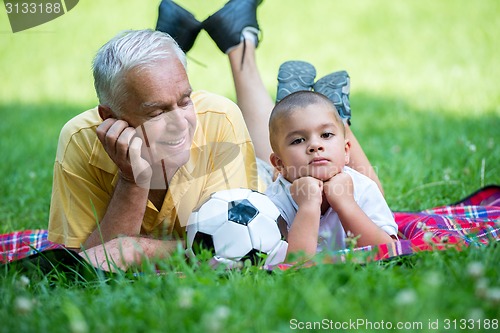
127,50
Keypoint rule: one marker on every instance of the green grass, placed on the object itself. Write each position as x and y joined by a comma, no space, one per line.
425,98
413,290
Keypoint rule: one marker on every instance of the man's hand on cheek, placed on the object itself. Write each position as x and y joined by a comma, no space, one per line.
121,143
141,168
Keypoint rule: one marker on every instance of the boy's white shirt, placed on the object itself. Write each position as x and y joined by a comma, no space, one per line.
331,233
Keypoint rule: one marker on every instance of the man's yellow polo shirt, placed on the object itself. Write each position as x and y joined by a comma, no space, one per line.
222,156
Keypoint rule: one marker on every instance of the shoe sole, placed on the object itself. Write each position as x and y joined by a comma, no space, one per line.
227,24
179,23
336,87
294,76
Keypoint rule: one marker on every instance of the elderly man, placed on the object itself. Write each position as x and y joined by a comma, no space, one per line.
151,152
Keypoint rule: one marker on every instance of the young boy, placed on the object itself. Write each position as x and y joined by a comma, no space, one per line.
319,198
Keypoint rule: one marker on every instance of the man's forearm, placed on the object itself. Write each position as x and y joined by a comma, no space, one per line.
124,214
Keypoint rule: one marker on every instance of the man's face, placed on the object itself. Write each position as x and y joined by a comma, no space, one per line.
311,143
159,106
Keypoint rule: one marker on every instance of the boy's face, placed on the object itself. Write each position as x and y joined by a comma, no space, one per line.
311,142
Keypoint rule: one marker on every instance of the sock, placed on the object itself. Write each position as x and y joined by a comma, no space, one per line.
250,34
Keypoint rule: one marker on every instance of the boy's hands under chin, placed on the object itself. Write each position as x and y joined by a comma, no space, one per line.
339,191
307,191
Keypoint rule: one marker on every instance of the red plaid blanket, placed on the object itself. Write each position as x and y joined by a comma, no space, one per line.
21,244
474,220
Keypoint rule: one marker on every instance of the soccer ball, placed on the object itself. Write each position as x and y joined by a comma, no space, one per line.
236,225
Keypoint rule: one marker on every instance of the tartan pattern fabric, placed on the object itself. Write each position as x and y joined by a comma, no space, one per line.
474,220
437,229
21,244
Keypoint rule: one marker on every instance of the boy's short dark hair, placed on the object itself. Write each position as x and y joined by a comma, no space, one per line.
294,101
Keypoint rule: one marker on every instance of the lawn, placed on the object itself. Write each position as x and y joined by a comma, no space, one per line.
426,109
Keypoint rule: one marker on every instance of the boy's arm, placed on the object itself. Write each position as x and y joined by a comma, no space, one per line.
354,219
339,191
303,234
307,192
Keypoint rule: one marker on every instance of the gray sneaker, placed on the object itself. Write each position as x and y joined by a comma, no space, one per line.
336,86
294,76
